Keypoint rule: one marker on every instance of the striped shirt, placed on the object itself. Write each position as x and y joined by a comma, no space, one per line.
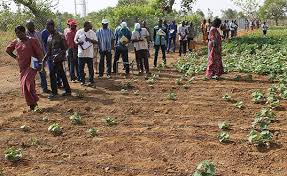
105,38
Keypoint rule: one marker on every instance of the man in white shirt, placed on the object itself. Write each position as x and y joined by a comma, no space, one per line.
140,39
182,33
85,39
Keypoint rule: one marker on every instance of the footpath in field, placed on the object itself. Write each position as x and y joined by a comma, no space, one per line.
162,126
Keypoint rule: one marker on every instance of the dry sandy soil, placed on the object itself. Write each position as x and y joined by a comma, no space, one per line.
153,135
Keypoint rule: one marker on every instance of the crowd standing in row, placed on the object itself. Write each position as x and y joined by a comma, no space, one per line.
36,49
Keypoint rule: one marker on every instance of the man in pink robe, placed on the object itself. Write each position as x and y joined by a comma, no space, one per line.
26,48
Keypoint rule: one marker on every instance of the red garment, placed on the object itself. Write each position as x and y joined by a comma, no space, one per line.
215,66
70,36
25,50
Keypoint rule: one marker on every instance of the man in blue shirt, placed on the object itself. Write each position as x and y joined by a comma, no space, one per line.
123,37
160,37
172,31
106,44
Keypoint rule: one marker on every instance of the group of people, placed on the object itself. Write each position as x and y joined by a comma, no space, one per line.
36,49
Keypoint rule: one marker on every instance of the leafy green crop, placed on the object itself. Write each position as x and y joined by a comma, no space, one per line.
110,121
260,138
258,97
172,96
223,136
178,81
239,104
205,168
13,155
223,125
76,119
227,98
93,132
25,128
55,129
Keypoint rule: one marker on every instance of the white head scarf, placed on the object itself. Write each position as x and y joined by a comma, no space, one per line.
137,26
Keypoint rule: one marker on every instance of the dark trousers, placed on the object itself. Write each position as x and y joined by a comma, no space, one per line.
142,60
171,41
137,60
156,50
182,47
57,71
43,80
189,40
232,34
108,56
82,62
73,63
124,52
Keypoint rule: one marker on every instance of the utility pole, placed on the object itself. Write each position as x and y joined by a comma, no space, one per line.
83,7
75,2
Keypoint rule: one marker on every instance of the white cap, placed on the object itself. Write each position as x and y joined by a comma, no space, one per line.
124,24
105,21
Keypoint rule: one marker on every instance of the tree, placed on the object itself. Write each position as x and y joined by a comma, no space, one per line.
273,9
131,2
229,14
41,9
200,13
167,5
248,7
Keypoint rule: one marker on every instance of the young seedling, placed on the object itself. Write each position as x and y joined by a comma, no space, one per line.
80,95
76,119
34,142
137,92
273,101
227,98
260,138
190,81
110,121
124,92
172,96
223,136
178,82
223,125
25,128
205,168
258,97
237,78
151,81
45,119
13,155
38,110
55,129
239,104
93,132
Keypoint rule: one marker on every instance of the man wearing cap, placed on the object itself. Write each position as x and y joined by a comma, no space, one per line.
160,37
72,51
56,52
85,39
31,32
106,44
122,37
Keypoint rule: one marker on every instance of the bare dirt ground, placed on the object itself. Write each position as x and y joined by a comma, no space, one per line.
153,135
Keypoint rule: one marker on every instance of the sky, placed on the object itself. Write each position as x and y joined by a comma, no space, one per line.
94,5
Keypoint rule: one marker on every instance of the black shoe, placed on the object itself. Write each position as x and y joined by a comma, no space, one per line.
52,96
66,94
32,107
47,91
